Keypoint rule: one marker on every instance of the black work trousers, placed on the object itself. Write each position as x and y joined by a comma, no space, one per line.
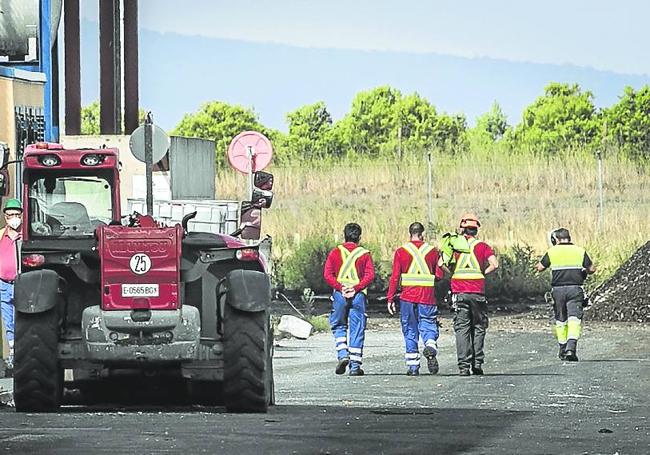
470,325
568,308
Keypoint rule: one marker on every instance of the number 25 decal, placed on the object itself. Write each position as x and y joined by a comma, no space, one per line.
140,263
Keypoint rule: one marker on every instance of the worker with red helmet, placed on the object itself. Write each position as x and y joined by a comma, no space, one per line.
349,271
468,272
415,270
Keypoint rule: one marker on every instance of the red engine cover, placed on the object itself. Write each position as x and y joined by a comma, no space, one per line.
140,267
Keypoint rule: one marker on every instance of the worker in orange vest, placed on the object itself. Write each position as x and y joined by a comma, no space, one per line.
415,270
349,271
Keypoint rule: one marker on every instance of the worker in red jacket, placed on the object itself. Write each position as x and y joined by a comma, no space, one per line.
468,296
415,270
349,271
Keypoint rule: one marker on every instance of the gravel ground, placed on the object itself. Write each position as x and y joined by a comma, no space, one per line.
528,402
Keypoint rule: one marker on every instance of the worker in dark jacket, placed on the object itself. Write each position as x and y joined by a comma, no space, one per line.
349,271
570,265
414,270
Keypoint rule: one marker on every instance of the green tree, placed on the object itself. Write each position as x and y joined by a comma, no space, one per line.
310,132
382,121
220,122
493,124
370,126
627,123
563,118
90,118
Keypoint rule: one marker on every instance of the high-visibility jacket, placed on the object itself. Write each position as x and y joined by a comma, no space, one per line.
567,263
348,274
418,273
467,265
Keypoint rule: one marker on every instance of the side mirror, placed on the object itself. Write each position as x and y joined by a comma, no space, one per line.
4,182
251,222
4,155
262,186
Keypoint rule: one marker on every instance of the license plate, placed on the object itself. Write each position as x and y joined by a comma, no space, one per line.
139,290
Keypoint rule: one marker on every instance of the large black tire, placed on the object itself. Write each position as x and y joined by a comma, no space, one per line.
248,366
38,378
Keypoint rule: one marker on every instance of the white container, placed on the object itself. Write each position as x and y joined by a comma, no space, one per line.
218,217
296,327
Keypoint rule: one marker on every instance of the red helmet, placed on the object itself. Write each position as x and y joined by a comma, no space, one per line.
470,220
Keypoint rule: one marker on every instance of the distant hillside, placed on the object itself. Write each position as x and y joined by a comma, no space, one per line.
178,73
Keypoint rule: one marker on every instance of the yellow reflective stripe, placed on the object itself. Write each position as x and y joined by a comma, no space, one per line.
560,330
418,273
348,271
417,279
467,267
574,327
419,262
566,257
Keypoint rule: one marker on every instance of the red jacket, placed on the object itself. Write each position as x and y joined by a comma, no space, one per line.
415,294
364,266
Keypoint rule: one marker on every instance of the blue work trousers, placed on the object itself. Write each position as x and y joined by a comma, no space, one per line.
349,314
7,303
418,321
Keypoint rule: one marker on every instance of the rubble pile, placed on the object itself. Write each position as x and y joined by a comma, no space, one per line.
626,295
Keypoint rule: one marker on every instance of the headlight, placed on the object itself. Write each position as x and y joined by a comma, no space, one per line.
50,160
92,159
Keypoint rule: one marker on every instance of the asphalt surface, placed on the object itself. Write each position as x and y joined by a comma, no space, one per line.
528,402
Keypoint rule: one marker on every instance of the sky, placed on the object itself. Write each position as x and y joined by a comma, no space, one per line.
275,56
601,34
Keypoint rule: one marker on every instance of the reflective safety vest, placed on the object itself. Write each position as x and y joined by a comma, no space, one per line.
348,275
418,273
467,266
566,257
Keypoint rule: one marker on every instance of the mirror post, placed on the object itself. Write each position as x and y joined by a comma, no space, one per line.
148,161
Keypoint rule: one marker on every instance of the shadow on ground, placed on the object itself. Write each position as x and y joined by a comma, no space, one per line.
285,429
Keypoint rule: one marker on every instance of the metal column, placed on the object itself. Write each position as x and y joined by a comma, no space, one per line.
45,57
131,97
110,117
72,68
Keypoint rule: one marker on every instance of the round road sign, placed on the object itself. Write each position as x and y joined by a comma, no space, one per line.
160,143
250,146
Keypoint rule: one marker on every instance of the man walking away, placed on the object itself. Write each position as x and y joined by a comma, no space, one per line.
570,265
468,296
349,271
415,269
9,268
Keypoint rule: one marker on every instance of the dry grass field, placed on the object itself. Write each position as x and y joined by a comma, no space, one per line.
518,198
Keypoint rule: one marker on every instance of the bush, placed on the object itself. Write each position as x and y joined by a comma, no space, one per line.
304,268
516,276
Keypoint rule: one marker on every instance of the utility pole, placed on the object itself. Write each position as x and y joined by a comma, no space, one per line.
430,195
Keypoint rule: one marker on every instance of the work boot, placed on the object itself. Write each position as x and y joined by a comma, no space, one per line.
463,373
356,372
432,361
413,371
342,365
571,356
477,370
562,353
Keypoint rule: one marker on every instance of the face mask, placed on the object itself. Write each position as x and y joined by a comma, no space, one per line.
15,223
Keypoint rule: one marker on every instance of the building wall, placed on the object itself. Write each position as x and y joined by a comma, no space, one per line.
18,88
132,178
